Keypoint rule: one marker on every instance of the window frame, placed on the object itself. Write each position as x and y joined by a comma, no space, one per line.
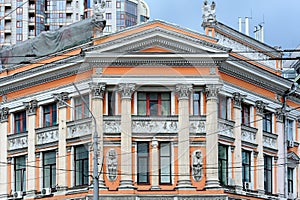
197,103
268,174
223,107
111,103
22,169
159,102
52,115
161,175
20,117
245,114
246,166
145,157
220,165
267,122
82,162
52,170
290,129
79,104
290,179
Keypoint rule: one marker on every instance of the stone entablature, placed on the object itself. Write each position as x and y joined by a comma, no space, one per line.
248,134
17,141
79,128
46,135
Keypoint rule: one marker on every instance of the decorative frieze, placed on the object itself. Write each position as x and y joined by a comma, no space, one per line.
18,142
31,107
260,107
249,134
112,164
270,142
198,126
112,126
79,129
140,126
183,91
98,90
226,128
212,91
46,137
4,114
62,99
126,90
237,99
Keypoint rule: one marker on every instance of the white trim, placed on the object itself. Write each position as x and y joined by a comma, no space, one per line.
172,103
72,177
135,106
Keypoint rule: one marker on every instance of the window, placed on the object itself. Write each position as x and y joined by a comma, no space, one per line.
154,103
108,4
111,103
223,164
118,4
50,115
290,130
20,122
108,16
245,114
143,162
268,174
81,109
197,103
290,180
20,173
165,163
19,37
267,122
49,169
222,107
246,166
81,166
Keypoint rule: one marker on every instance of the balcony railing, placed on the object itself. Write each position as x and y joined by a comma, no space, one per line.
46,135
17,141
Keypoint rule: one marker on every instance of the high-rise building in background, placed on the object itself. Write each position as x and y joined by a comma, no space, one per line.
24,19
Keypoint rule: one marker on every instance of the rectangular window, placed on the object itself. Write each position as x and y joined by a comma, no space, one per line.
143,162
154,103
19,37
267,122
290,180
223,164
81,109
81,166
111,98
246,166
50,115
20,173
268,174
108,16
245,114
197,103
165,163
222,106
290,130
118,4
20,122
49,169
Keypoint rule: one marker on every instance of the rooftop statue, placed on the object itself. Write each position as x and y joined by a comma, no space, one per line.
208,12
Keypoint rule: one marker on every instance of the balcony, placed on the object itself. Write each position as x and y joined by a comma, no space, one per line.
249,135
79,128
225,128
46,135
17,141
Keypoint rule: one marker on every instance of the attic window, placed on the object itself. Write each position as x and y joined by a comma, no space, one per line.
209,33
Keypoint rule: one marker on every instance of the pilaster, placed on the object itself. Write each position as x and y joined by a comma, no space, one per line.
260,108
31,108
155,165
281,151
126,90
212,175
3,155
183,91
98,91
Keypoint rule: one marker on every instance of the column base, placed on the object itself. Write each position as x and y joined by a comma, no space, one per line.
212,184
155,188
185,185
126,185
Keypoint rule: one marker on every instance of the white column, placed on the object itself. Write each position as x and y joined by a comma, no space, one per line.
281,149
184,181
61,174
98,91
3,155
260,107
155,165
126,90
237,167
31,176
212,175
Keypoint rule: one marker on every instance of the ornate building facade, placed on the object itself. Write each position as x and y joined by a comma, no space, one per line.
177,114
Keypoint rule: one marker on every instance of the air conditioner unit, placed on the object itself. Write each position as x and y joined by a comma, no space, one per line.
247,185
290,143
18,194
46,191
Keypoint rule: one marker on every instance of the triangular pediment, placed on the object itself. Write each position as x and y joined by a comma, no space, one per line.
157,37
293,156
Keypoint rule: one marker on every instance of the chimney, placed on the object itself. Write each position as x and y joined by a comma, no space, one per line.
247,26
240,24
262,32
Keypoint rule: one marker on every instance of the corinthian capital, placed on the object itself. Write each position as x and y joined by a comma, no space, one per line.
126,90
62,99
98,90
238,99
31,106
4,114
183,91
260,107
212,91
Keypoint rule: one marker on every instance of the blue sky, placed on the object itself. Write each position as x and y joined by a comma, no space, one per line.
281,18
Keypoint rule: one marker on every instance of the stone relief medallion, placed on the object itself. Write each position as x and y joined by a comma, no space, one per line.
197,165
112,164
